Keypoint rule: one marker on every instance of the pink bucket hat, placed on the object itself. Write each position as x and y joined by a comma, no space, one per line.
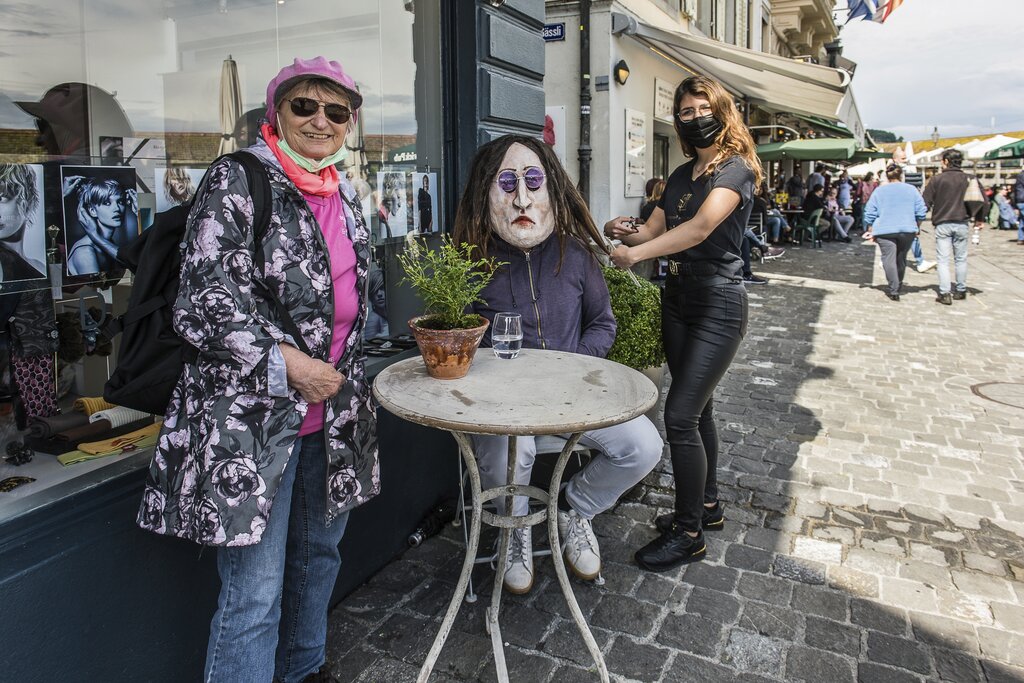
301,69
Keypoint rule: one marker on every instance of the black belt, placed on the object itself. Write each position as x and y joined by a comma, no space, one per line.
691,269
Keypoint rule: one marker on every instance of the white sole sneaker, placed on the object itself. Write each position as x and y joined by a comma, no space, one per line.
579,545
519,572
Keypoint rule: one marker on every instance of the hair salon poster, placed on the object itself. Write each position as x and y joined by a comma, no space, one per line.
636,153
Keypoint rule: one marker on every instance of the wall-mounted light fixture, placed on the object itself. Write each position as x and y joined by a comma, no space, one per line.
621,72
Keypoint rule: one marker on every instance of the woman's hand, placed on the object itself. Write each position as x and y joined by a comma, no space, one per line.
89,224
622,257
620,227
315,380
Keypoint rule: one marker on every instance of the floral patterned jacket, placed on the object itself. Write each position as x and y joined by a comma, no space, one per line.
226,437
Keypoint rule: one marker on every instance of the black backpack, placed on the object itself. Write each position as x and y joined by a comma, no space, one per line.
151,356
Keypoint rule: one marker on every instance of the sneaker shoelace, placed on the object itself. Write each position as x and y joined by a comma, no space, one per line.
579,534
517,553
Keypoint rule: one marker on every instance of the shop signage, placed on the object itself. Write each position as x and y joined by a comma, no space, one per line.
636,153
663,93
553,32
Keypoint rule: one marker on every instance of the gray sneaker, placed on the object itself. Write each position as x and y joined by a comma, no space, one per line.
579,545
519,565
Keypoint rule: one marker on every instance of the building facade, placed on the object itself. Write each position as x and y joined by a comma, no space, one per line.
139,92
747,46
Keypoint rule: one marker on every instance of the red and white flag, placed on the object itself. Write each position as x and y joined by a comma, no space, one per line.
885,10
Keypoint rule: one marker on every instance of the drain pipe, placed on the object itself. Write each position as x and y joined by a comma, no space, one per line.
584,148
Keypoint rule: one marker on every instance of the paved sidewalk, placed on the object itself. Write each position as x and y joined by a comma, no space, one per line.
875,518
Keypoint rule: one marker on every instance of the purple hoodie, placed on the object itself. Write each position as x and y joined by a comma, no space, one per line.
567,310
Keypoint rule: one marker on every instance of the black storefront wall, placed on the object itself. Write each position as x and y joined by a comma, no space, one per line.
87,596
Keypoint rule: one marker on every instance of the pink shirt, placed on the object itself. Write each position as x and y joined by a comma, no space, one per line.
330,213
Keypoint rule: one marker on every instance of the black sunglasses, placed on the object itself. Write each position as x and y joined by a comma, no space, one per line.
306,107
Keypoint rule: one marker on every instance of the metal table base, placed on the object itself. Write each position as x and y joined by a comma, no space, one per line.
506,523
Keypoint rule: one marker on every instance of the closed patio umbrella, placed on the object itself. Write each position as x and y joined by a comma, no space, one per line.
230,105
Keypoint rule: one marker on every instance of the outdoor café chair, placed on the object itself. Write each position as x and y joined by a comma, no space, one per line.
809,225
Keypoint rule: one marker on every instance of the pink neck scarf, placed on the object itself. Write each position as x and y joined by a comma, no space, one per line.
322,184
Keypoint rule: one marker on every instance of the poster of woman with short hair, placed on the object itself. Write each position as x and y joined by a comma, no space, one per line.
101,214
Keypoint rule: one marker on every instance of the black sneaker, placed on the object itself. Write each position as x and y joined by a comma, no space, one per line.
754,280
960,296
945,299
671,549
712,519
324,675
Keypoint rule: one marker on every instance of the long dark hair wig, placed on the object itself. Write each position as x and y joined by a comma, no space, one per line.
571,215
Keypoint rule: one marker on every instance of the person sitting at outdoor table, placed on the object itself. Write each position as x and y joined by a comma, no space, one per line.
774,222
815,201
840,222
521,207
269,440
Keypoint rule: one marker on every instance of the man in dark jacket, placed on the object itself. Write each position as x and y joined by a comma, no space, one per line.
1018,199
520,207
944,195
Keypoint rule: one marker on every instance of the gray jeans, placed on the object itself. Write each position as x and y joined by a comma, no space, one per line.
626,453
894,248
952,237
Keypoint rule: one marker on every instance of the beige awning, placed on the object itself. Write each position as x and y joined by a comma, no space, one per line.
774,83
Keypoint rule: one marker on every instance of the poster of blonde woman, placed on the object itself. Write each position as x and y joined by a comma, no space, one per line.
392,207
101,213
176,186
22,232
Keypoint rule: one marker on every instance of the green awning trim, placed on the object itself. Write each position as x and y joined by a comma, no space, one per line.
820,149
1014,150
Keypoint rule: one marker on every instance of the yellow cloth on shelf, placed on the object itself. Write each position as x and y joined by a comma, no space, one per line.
89,405
140,438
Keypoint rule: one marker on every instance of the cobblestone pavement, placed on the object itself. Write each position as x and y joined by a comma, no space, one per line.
874,509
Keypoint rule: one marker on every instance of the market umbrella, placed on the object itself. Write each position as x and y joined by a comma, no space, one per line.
230,105
1014,150
819,149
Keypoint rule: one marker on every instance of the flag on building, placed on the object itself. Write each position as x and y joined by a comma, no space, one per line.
885,10
860,9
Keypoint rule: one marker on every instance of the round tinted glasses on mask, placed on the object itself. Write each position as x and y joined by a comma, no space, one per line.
508,181
307,106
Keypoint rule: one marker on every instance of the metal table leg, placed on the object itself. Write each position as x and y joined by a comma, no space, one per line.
556,557
466,449
506,523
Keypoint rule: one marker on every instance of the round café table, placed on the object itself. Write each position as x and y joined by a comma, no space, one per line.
540,392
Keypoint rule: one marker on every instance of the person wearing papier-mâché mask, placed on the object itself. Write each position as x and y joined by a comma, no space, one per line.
521,208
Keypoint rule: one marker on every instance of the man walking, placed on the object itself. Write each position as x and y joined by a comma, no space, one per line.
1018,198
944,195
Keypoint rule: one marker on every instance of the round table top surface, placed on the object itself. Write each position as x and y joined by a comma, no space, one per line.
540,392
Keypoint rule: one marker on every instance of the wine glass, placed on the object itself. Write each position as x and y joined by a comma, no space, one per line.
507,335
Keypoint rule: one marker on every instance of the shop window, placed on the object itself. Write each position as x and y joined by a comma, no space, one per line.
110,111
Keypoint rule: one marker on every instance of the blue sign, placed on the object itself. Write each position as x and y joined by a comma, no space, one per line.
553,32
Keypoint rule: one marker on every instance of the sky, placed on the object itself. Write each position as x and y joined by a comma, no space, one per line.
948,63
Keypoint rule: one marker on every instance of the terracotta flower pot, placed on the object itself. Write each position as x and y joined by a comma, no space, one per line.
447,353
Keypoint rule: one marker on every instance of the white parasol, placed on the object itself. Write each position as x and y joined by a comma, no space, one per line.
230,105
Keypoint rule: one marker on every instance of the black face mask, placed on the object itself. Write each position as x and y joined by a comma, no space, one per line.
701,132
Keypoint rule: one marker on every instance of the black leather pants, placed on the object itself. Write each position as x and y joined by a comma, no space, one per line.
702,330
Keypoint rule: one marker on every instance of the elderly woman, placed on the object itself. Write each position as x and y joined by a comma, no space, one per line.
893,218
265,447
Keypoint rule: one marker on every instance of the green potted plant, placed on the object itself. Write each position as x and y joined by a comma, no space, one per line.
636,305
448,280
